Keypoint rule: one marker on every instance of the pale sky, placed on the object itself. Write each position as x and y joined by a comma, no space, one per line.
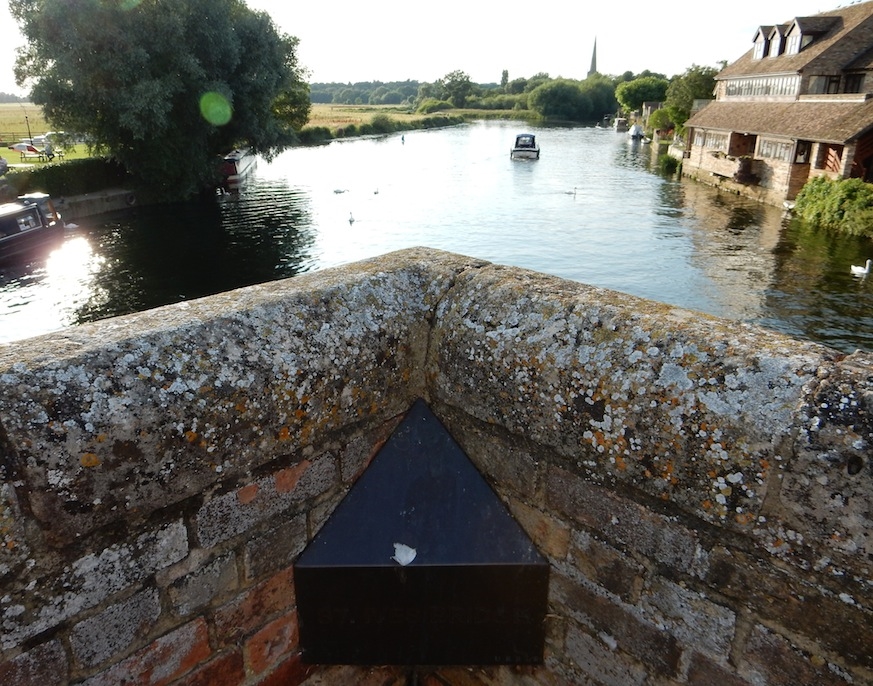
348,41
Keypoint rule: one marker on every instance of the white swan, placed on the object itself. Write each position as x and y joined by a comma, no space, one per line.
862,271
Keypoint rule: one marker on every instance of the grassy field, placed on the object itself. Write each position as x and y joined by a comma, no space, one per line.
338,116
14,126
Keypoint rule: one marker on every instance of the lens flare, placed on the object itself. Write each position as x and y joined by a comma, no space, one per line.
215,108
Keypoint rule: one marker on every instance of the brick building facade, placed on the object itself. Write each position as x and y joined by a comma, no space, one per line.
798,104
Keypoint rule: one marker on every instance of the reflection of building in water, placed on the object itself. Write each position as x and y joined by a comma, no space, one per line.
794,107
733,239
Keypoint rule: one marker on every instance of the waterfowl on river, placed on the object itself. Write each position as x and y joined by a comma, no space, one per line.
862,271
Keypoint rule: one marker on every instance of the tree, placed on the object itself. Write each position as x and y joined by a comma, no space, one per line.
660,120
601,92
163,88
516,86
536,81
456,87
561,99
504,79
696,83
632,94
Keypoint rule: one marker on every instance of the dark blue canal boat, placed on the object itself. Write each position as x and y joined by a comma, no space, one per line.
26,225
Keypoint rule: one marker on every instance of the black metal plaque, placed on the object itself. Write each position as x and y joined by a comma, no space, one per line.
421,563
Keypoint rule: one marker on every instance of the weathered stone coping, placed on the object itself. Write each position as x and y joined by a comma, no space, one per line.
737,433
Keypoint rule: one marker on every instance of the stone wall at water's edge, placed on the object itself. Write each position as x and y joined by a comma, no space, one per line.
701,489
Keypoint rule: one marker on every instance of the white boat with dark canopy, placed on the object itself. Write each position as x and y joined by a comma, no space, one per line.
525,147
236,167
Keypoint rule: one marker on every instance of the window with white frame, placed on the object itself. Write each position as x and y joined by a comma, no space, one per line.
763,85
775,45
774,149
716,141
760,48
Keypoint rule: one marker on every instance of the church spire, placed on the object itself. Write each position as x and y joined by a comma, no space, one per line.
593,69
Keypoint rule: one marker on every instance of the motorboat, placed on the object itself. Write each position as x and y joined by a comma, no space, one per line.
620,124
27,224
236,167
525,147
636,133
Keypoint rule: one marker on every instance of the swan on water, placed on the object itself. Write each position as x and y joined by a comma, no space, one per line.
862,271
351,218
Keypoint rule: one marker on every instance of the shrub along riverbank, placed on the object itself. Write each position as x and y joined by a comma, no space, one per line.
844,205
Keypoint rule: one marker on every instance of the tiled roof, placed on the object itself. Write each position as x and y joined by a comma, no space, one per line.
839,24
818,24
864,61
830,122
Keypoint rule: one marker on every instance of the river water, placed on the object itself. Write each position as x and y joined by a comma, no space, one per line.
593,209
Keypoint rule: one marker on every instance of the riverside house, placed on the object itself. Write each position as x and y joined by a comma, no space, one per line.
797,105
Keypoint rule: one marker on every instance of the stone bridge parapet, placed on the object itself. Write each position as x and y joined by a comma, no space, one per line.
701,488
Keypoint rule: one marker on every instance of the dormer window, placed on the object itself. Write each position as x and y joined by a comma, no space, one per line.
777,41
775,46
761,43
759,49
803,30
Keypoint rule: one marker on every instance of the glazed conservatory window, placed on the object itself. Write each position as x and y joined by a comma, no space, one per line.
775,150
764,85
716,141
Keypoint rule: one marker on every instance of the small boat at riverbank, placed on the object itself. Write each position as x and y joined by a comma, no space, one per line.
525,147
26,225
236,167
636,133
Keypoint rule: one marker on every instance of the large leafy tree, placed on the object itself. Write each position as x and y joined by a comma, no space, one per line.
163,86
561,99
696,83
632,94
456,87
601,93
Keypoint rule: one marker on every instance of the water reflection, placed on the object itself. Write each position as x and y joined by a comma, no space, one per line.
160,255
594,209
814,294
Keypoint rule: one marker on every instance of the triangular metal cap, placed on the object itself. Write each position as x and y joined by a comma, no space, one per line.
422,492
421,563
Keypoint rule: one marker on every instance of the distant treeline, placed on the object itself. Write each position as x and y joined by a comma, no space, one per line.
598,97
8,97
364,93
